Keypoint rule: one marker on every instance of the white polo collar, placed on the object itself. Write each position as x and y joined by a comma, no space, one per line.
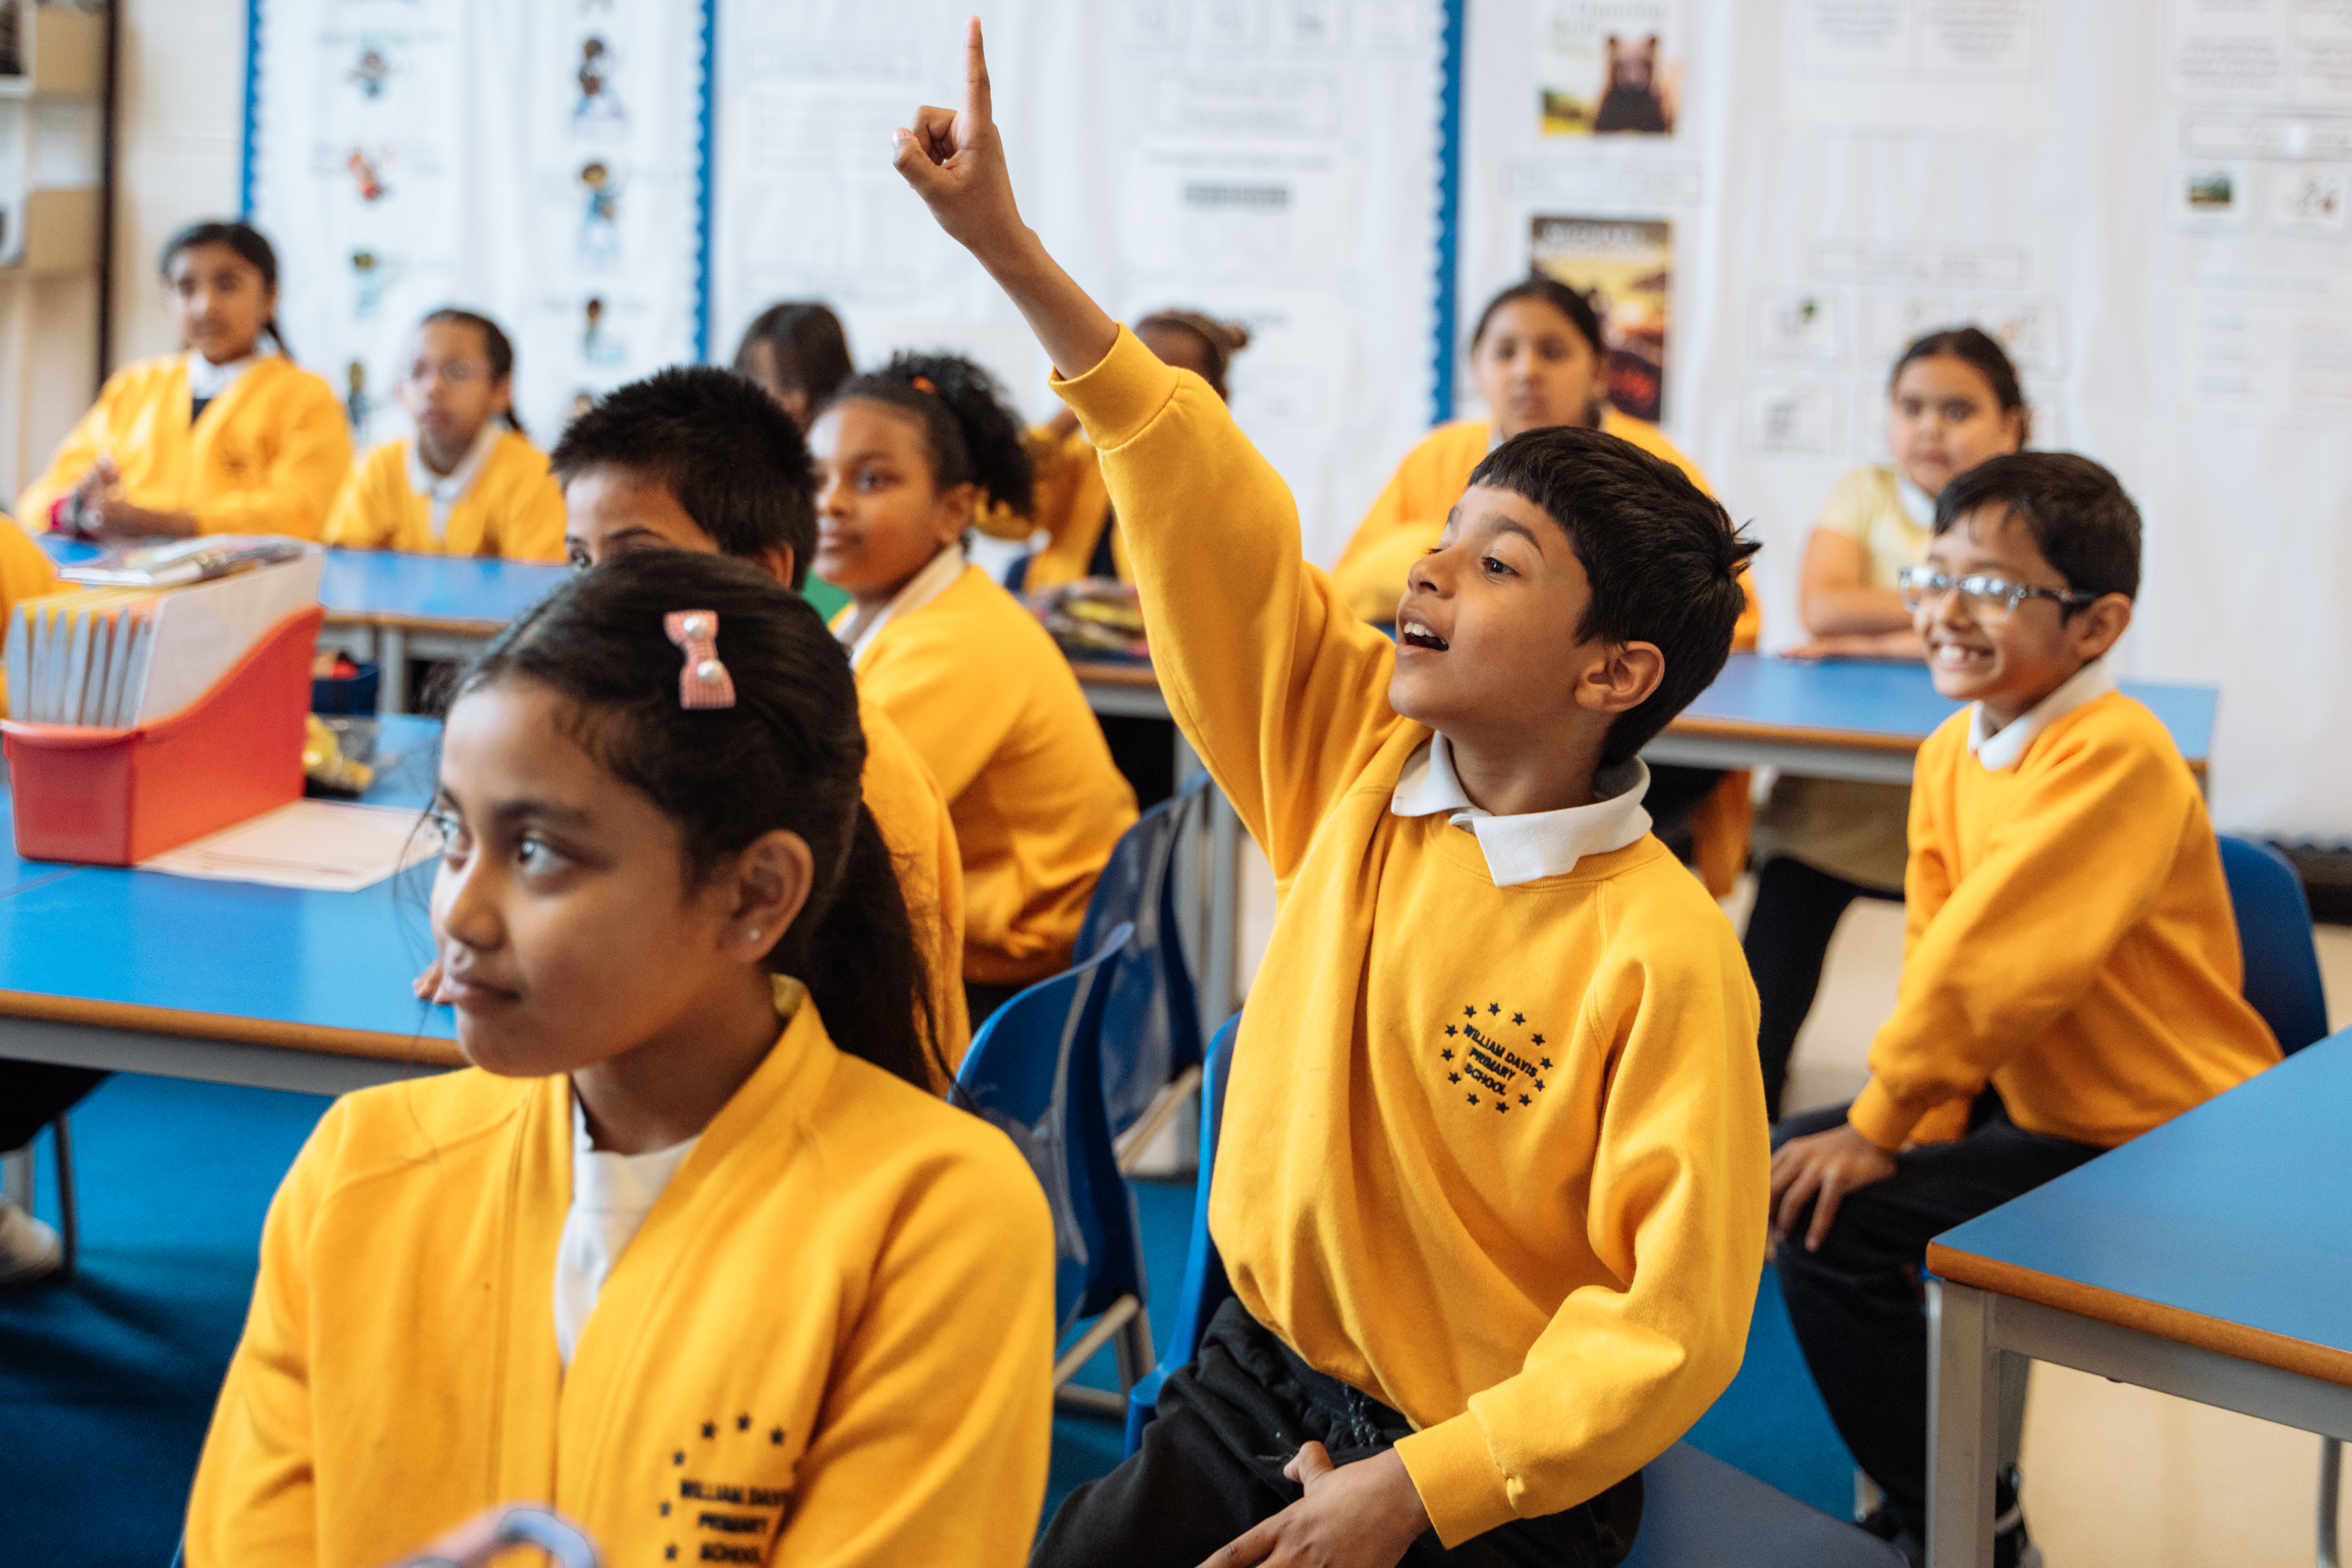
2004,746
1917,504
207,380
1533,844
937,577
446,490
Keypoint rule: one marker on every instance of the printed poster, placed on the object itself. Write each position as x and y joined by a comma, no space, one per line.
1626,267
1610,68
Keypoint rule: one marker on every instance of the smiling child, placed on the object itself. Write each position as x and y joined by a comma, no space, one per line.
2071,972
1491,1185
692,1252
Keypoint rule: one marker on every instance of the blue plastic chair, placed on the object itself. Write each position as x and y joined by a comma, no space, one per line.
1697,1510
1035,1070
2274,933
1152,1024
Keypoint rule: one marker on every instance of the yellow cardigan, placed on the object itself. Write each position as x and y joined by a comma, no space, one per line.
267,456
2068,937
1553,1285
912,812
831,1342
514,506
25,573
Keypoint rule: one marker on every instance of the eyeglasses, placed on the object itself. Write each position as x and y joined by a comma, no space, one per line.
1991,600
455,372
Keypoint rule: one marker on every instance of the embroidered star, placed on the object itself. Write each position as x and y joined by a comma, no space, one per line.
1446,1055
665,1510
1474,1099
669,1555
710,1429
1518,1017
776,1436
1451,1031
1469,1012
1525,1100
1501,1106
742,1423
1537,1038
678,1458
1454,1077
1493,1006
1547,1064
1538,1083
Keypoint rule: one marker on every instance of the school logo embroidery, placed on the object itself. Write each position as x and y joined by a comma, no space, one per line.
724,1521
1493,1061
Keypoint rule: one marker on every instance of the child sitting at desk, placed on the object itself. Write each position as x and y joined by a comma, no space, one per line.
1952,401
696,459
905,457
1491,1185
470,483
691,1253
2071,969
225,438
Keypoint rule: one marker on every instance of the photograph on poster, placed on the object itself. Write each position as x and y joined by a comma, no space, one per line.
1609,68
2211,197
1626,266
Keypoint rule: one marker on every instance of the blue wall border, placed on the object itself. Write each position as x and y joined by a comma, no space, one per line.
702,184
252,93
1449,215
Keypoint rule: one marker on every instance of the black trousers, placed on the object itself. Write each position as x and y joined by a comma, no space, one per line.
34,1094
1796,912
1857,1304
1211,1469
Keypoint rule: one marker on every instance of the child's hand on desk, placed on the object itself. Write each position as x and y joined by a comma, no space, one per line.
1821,1169
1364,1514
1861,644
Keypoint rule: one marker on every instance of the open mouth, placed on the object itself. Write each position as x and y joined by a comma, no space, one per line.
1421,636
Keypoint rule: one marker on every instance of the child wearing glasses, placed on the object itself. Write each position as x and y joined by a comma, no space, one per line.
1952,401
471,483
2071,972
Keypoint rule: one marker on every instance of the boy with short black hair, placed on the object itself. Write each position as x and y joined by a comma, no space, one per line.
694,458
1491,1180
2071,973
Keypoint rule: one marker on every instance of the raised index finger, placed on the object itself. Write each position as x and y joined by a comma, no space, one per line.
975,77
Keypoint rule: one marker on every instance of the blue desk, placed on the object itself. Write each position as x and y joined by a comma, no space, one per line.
2210,1259
140,972
1858,719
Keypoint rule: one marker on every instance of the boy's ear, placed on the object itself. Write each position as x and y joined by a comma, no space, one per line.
776,560
2098,624
1622,679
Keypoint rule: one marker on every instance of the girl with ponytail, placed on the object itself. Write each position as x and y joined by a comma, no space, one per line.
909,458
470,483
695,1228
228,437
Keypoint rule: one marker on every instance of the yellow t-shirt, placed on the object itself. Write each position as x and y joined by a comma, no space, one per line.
832,1340
514,506
2068,937
1552,1286
267,456
979,689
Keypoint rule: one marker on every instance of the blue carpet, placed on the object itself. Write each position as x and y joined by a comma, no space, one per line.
107,1385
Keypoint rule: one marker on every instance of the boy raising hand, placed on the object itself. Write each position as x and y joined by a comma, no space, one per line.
1492,1195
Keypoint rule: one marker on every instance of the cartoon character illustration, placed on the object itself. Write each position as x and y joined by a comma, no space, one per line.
597,98
371,73
368,174
596,344
356,402
600,221
1634,101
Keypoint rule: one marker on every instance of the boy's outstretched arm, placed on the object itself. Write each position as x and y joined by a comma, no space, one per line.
956,164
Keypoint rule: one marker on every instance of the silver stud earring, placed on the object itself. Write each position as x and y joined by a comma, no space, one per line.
754,933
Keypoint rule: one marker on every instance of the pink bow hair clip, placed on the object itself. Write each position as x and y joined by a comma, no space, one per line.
704,682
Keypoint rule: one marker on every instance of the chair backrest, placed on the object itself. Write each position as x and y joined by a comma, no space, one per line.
1034,1069
1205,1286
1151,1025
2274,935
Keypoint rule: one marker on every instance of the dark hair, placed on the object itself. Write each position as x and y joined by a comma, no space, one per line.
811,350
1220,341
787,755
973,434
1663,557
496,347
1576,307
1977,348
2079,517
248,242
736,462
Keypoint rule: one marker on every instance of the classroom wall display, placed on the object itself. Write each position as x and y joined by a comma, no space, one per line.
539,161
2146,204
1273,163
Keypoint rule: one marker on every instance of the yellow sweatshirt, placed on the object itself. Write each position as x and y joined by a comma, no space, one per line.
829,1344
25,573
268,456
513,508
2068,937
1071,505
1552,1286
912,812
979,689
